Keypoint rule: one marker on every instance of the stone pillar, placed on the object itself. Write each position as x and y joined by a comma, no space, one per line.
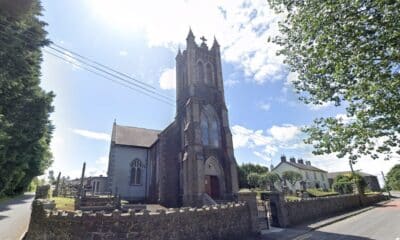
251,199
278,210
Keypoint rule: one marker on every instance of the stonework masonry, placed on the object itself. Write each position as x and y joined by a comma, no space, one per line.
230,221
297,212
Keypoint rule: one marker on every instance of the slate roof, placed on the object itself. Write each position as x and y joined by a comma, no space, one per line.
133,136
334,174
302,166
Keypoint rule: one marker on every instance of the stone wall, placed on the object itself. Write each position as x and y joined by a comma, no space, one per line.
231,221
42,192
314,208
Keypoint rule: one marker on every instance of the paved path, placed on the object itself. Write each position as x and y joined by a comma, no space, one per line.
14,217
382,222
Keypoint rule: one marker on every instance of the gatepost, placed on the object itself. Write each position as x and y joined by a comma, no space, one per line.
251,199
278,210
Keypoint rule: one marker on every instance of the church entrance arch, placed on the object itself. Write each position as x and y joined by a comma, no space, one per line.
213,178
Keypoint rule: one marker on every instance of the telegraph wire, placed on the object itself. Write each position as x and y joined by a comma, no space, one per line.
102,65
78,57
108,73
106,77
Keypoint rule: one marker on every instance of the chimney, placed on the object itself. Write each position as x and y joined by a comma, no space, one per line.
283,158
293,160
308,163
300,161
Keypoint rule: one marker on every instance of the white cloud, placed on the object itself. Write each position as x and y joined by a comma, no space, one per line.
230,82
285,132
123,53
92,135
168,79
265,146
317,107
242,28
265,106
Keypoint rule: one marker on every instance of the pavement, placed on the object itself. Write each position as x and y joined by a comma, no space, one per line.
14,217
381,221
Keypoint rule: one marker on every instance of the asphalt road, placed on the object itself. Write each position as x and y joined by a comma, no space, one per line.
14,217
382,222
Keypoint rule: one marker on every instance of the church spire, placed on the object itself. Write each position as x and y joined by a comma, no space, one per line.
215,44
190,35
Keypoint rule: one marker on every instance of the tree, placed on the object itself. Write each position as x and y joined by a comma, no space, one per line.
346,53
245,169
393,178
253,180
292,177
269,179
25,128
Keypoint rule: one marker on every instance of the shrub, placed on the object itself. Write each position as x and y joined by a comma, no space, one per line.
343,187
314,192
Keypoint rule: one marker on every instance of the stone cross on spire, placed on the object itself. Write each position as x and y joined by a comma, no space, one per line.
203,39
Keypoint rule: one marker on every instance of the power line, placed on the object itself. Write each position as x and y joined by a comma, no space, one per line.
83,60
106,77
102,65
111,74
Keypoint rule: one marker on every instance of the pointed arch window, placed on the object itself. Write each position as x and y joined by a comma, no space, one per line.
200,72
136,172
210,132
210,74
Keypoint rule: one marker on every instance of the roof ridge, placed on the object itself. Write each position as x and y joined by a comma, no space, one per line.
155,130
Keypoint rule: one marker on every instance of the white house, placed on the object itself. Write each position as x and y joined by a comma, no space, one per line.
313,177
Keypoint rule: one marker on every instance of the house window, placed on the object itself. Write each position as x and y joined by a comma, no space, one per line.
307,176
322,177
136,172
315,176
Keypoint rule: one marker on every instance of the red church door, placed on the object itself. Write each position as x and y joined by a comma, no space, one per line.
212,186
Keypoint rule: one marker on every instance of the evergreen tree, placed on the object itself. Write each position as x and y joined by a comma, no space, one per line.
25,128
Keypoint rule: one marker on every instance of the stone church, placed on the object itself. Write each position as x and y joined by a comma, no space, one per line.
191,162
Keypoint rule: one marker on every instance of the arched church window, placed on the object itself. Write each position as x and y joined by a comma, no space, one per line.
204,129
136,172
210,132
214,136
210,74
200,72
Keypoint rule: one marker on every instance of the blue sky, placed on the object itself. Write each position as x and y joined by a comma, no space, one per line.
141,40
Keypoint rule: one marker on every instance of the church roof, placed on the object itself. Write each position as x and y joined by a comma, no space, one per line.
133,136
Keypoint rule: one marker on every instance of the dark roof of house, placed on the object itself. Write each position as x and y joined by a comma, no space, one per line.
133,136
302,166
335,174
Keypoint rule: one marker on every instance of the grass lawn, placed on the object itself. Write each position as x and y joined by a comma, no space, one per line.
63,203
313,192
292,198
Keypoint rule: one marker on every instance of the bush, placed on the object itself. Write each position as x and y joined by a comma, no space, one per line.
343,187
313,192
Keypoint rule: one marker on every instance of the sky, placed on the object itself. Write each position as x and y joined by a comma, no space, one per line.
141,39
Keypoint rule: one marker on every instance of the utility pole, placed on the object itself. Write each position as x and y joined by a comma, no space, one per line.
384,181
82,177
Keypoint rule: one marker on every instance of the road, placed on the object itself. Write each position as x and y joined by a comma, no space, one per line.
382,222
14,217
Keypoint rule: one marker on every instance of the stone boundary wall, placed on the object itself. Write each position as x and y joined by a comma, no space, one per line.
310,209
230,221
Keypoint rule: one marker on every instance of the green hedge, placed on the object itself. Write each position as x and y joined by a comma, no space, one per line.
313,192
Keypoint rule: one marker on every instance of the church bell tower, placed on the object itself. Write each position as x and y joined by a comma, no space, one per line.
208,167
